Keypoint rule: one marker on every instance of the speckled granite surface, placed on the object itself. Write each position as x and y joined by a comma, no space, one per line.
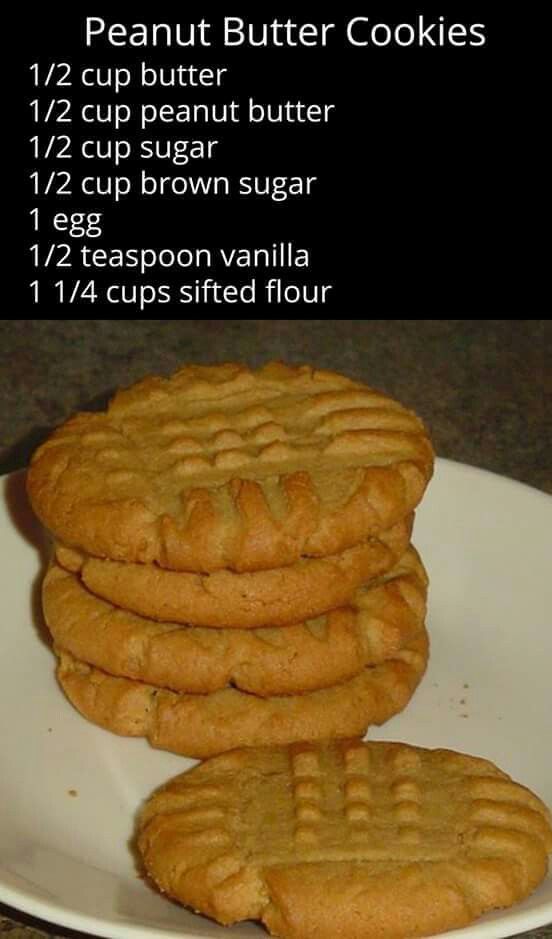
9,929
483,387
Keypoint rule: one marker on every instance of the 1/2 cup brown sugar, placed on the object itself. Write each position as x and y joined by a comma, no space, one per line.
225,467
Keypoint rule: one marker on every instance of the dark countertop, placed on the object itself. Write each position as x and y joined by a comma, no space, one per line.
483,387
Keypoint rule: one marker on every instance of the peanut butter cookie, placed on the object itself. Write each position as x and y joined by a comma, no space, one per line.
347,840
224,467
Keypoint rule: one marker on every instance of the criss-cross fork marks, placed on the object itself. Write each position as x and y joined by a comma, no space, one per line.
351,819
406,796
358,790
225,835
307,797
354,802
283,430
406,793
232,469
348,803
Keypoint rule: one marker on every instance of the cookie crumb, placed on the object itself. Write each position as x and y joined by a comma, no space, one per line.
72,792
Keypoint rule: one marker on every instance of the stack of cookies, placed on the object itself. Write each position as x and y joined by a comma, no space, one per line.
232,562
232,571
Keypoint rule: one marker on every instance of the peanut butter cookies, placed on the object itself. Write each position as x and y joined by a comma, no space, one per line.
346,840
277,597
228,468
202,725
382,617
233,580
232,561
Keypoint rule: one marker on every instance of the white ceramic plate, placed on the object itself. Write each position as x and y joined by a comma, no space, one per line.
69,791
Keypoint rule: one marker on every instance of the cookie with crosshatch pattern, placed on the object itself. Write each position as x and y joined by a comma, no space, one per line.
225,467
201,725
382,616
348,840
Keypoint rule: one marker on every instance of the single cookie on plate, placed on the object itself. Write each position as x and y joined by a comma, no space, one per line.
278,597
383,615
347,840
202,725
224,467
